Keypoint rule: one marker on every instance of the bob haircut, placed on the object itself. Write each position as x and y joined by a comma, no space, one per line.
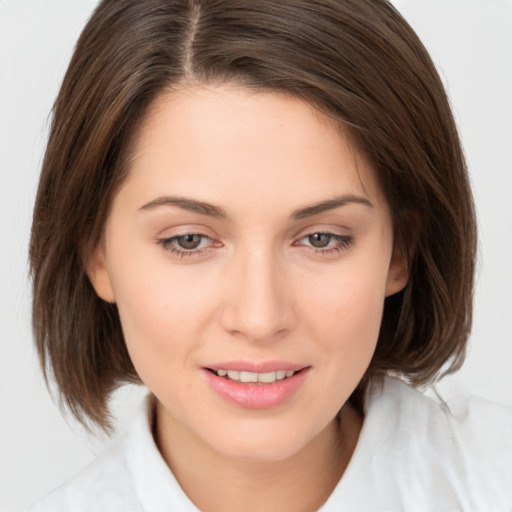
358,61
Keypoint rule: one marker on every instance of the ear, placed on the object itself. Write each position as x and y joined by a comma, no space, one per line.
97,271
398,273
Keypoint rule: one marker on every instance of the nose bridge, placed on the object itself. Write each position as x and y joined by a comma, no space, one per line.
259,307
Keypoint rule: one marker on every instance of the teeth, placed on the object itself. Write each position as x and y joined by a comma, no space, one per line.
268,378
233,375
247,377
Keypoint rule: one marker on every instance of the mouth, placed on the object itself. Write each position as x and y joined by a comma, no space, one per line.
246,377
274,385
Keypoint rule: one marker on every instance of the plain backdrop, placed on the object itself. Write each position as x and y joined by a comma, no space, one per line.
470,41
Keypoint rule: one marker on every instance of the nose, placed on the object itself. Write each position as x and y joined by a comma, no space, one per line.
259,303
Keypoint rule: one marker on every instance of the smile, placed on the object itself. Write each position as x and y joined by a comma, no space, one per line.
256,389
252,377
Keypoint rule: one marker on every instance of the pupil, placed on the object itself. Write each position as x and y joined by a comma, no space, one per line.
319,239
189,241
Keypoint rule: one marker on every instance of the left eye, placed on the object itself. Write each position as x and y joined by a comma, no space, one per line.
326,241
319,240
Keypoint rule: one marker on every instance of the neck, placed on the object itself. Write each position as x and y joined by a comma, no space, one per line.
302,482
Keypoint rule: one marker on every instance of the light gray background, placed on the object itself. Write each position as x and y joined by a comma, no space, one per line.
470,40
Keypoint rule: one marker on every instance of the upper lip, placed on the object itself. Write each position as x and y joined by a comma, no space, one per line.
256,366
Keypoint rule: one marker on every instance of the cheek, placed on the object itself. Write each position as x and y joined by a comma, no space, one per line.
347,310
161,314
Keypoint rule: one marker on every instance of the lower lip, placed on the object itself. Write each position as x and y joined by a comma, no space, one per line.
256,396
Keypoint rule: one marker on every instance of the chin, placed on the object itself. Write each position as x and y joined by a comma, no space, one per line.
270,443
269,452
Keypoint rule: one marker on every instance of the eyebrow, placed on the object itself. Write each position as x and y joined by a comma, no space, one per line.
210,210
330,204
191,205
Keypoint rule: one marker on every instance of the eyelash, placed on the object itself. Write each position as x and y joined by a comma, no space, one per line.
168,244
343,242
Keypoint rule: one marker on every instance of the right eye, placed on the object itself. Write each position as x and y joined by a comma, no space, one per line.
191,244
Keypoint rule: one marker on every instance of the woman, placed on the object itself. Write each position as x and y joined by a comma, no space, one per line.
261,211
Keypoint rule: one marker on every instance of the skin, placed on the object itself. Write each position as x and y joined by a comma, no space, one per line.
257,290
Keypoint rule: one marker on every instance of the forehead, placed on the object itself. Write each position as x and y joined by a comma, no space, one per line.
228,142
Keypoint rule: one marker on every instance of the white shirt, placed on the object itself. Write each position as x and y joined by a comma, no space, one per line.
414,454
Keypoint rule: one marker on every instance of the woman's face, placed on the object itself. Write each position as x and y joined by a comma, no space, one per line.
250,242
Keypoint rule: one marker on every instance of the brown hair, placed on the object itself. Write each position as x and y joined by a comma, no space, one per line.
356,60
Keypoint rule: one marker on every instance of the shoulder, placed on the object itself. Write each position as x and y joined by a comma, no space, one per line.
130,476
461,444
465,438
417,452
473,430
105,484
433,411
